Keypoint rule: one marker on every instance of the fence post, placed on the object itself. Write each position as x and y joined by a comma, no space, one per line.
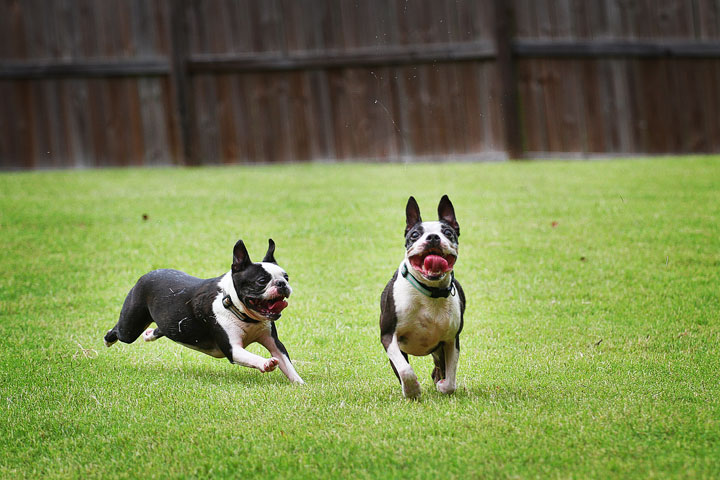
504,33
180,79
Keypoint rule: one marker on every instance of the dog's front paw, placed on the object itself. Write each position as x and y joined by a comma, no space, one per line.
410,385
443,386
269,365
411,389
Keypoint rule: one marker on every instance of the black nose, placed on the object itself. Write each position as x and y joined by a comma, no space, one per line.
433,239
282,286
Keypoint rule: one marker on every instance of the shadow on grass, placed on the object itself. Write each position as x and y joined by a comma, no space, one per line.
228,375
482,394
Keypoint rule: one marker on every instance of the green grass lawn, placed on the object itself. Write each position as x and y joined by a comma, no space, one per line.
590,350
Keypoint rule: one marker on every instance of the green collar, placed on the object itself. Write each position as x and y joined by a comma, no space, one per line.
427,290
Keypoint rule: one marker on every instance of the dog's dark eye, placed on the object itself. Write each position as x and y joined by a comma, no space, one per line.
259,283
414,236
287,279
448,233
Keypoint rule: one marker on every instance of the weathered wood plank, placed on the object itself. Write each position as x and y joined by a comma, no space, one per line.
360,57
44,69
10,121
97,103
181,86
133,127
615,48
506,70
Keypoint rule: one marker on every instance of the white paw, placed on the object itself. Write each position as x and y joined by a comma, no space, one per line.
149,335
269,365
410,385
443,386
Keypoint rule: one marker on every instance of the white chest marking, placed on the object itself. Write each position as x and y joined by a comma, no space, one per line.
240,334
423,322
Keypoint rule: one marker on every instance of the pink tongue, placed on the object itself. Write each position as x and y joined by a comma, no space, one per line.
435,264
278,306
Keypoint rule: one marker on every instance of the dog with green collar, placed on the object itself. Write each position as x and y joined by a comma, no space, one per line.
422,306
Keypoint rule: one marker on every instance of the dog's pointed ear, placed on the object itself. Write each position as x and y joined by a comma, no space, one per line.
270,255
412,214
446,213
241,258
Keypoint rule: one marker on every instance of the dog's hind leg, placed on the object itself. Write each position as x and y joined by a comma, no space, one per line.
438,372
110,337
152,334
451,352
134,319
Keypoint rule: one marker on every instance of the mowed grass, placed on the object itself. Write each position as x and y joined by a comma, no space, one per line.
590,350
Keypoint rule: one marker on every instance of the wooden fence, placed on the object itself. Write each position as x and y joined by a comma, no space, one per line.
157,82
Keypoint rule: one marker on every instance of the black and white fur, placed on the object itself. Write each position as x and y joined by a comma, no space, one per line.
412,323
190,311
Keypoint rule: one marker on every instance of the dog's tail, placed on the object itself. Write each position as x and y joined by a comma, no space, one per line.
110,338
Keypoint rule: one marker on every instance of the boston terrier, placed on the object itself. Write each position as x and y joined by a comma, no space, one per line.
219,316
422,307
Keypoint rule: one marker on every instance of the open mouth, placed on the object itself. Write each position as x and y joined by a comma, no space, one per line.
433,263
268,307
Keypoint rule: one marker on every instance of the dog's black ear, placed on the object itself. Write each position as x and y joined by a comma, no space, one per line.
270,255
241,258
412,214
446,213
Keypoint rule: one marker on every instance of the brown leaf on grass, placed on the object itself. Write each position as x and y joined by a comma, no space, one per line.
84,352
